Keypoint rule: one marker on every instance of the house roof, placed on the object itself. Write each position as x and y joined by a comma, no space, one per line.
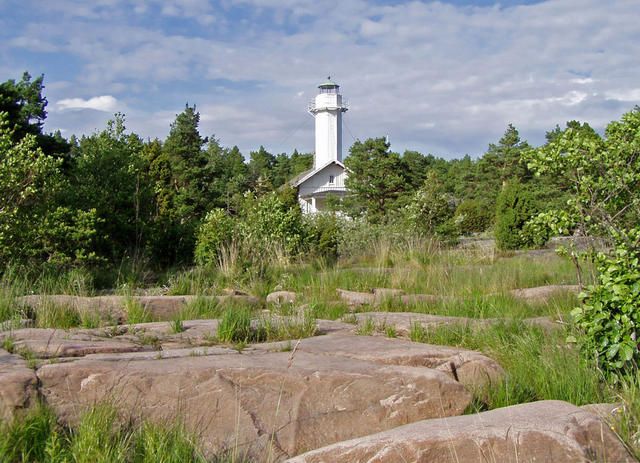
307,175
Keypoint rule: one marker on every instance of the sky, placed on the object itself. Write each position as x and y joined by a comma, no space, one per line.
439,77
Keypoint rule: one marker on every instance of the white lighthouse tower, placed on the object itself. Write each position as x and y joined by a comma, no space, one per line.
327,109
328,173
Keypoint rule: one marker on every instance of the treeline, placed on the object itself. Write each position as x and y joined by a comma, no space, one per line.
113,195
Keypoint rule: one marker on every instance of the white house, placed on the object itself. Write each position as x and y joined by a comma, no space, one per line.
328,173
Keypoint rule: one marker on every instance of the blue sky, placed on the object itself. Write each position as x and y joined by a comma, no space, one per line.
439,77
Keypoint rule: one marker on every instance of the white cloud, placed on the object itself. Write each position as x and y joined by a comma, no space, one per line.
467,70
105,103
624,95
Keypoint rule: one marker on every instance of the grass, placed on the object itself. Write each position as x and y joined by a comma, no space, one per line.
539,364
176,326
136,312
235,325
101,436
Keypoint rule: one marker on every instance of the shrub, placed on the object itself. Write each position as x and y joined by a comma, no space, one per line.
430,206
513,209
324,235
216,231
609,316
269,222
473,216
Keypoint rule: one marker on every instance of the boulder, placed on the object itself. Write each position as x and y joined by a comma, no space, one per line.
278,403
18,384
542,294
541,432
281,297
387,293
355,298
470,368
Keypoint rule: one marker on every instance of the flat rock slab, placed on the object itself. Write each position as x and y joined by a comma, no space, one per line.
402,321
541,432
471,368
18,384
48,342
542,294
378,296
113,307
278,403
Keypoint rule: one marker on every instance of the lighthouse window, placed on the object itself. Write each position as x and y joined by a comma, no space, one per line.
330,179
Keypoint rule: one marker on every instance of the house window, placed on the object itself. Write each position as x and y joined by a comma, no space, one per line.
331,179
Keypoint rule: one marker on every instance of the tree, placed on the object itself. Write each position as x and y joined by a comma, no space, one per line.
34,227
502,162
110,175
514,207
24,106
604,174
376,177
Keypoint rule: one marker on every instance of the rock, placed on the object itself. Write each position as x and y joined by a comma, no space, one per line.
543,293
108,308
281,297
387,293
233,292
283,402
18,384
355,298
112,308
470,368
48,343
402,321
380,295
604,410
548,431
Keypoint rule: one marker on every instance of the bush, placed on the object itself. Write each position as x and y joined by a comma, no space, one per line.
216,231
473,216
513,209
269,222
609,316
324,235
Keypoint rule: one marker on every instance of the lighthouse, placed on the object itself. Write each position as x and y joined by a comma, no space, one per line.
327,109
328,173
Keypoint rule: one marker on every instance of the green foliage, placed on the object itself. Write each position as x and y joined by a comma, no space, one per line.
31,226
235,325
609,315
502,163
430,208
376,179
324,234
110,177
604,174
28,436
269,223
217,230
473,216
539,228
513,209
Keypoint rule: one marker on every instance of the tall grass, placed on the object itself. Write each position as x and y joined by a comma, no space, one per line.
539,364
101,436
